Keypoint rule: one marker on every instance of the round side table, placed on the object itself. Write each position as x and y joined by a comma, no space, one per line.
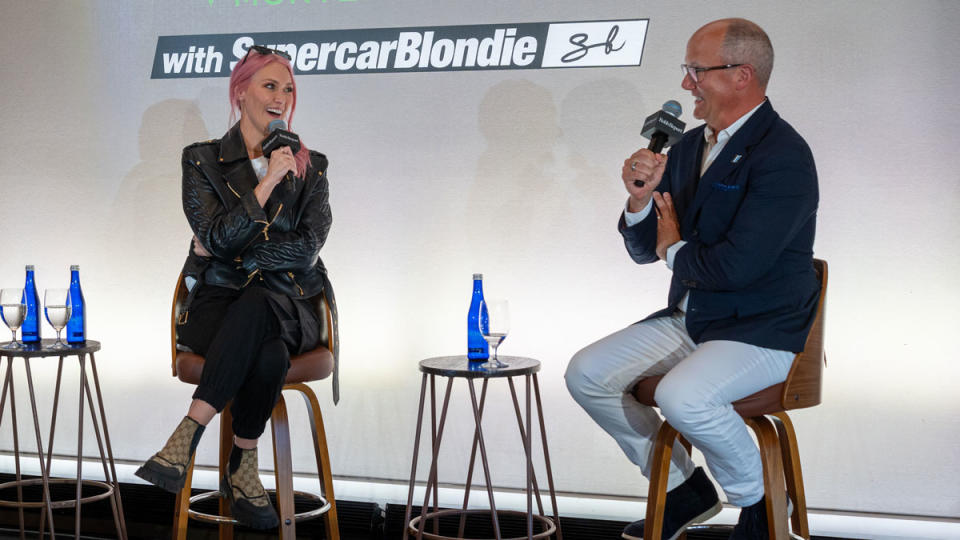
454,367
110,488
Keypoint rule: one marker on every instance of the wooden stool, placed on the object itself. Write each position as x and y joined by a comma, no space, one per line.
765,412
310,366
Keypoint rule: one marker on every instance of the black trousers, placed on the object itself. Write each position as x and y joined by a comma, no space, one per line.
246,358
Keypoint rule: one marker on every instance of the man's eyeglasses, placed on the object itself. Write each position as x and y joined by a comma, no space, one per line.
695,71
260,49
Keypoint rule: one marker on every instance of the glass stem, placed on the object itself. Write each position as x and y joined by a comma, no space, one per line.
495,359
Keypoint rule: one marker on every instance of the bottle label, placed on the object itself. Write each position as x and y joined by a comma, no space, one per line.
477,353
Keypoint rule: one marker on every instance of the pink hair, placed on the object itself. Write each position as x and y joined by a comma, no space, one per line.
239,81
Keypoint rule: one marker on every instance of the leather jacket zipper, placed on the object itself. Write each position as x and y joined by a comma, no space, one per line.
266,228
251,275
233,190
294,280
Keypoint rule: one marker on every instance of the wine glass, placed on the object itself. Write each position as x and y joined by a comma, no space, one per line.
12,310
56,306
496,329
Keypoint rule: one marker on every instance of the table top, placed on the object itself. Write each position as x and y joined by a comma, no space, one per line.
460,366
42,349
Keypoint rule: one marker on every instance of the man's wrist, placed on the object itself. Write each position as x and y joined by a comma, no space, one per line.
635,205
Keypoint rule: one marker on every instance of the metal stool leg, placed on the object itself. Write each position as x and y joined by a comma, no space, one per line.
483,459
523,437
473,460
110,480
416,451
546,457
118,510
44,470
432,478
53,425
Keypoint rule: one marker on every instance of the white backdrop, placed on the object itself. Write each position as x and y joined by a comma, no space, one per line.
435,176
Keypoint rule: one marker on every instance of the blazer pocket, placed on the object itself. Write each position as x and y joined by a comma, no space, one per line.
720,186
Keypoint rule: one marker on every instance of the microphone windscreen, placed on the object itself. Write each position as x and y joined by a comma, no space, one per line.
671,107
280,124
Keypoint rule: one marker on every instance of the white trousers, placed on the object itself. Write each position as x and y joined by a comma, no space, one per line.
695,396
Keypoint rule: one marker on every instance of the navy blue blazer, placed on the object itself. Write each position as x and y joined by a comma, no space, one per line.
749,224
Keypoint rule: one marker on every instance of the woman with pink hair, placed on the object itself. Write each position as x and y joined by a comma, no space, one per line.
259,223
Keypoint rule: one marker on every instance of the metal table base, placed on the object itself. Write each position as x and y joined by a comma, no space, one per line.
110,487
458,367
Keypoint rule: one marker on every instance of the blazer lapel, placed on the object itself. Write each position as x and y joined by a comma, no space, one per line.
685,202
733,154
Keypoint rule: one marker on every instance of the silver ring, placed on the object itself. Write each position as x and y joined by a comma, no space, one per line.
633,166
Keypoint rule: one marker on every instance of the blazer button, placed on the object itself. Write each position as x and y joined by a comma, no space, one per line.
696,232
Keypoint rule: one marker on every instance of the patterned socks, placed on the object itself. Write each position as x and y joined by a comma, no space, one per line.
241,485
167,468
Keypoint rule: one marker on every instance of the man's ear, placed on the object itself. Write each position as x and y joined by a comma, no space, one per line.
745,76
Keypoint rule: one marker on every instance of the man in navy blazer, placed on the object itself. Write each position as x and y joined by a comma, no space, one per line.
732,211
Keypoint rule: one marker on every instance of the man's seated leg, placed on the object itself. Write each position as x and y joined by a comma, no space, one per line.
696,396
600,378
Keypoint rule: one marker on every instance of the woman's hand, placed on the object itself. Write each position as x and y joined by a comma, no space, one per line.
281,162
199,249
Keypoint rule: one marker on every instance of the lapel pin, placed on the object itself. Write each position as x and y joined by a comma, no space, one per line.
736,158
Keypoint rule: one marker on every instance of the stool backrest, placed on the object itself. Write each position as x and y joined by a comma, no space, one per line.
320,303
805,380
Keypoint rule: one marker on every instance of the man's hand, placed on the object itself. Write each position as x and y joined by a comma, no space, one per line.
647,167
668,227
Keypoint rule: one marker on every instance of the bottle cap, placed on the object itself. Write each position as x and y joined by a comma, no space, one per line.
29,268
478,276
74,267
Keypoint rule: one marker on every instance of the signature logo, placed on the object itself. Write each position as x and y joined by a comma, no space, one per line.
579,40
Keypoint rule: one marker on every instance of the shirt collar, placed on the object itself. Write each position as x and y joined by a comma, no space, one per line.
725,134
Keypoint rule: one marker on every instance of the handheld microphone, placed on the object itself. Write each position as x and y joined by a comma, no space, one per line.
279,137
663,128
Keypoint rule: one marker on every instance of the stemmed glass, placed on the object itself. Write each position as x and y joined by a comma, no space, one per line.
496,329
12,310
56,306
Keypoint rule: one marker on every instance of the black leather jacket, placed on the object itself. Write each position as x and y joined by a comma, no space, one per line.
278,244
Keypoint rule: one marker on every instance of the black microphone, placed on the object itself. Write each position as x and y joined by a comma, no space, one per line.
663,128
279,137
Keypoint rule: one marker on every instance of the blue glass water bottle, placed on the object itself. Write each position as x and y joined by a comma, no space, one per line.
477,349
30,329
77,325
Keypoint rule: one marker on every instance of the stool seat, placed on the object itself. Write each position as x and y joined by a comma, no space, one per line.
313,365
766,401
